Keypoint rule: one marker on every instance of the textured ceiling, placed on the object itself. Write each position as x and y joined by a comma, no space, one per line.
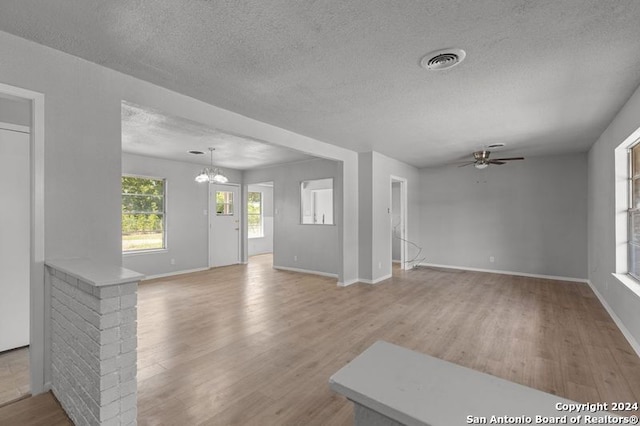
149,132
542,76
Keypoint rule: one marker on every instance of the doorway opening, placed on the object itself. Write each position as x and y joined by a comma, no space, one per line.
23,303
398,224
260,222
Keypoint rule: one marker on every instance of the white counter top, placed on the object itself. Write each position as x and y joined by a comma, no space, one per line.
417,389
95,273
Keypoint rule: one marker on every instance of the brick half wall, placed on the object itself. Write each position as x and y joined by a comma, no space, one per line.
94,349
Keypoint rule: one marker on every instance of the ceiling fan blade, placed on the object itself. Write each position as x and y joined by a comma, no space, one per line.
496,162
467,164
508,159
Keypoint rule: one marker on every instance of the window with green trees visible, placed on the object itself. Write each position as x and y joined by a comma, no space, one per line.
254,213
143,213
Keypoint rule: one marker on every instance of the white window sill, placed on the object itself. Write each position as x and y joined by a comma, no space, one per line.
629,282
256,238
141,252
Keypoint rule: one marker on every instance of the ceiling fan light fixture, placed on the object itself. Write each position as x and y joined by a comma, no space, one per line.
481,166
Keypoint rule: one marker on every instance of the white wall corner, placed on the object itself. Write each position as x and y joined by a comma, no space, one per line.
627,334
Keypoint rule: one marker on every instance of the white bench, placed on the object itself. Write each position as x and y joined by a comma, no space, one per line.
391,385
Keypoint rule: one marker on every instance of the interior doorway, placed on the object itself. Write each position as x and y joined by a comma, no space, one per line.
22,112
14,254
224,224
398,224
260,220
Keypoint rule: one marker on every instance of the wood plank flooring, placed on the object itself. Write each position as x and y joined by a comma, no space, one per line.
39,410
249,345
14,375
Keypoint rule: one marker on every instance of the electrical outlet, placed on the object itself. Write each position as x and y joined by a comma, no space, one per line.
173,261
379,265
492,259
295,258
205,212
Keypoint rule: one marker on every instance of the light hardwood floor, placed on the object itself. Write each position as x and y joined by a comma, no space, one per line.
14,374
249,345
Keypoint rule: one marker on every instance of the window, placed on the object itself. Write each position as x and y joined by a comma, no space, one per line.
316,201
143,213
224,203
634,212
254,213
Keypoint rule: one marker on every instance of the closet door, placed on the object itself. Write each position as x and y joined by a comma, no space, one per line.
15,222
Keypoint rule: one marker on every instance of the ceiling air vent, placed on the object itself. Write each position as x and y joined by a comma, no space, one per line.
442,59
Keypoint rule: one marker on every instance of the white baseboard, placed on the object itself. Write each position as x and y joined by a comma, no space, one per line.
306,271
347,283
497,271
170,274
633,342
376,281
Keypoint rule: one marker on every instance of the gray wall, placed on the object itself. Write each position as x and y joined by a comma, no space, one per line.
530,215
316,246
15,111
264,244
602,217
376,171
186,221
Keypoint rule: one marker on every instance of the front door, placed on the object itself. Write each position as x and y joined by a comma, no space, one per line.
224,230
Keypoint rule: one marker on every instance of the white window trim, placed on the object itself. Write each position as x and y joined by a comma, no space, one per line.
261,216
165,238
622,198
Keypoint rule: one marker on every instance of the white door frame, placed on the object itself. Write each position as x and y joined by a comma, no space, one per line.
39,351
211,208
403,216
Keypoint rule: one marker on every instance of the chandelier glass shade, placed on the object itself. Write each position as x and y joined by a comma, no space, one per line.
212,174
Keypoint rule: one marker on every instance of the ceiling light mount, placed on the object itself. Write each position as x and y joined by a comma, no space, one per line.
442,59
212,174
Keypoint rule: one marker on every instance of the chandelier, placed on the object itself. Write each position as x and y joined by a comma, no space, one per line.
212,174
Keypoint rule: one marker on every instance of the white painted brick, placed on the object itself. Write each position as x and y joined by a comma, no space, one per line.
106,292
110,350
115,421
128,416
128,315
93,343
108,305
110,410
109,380
128,373
108,366
128,288
110,335
86,287
128,301
128,345
61,275
128,330
107,396
127,360
129,402
109,320
127,388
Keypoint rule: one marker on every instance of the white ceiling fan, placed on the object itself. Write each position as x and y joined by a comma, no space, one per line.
482,161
